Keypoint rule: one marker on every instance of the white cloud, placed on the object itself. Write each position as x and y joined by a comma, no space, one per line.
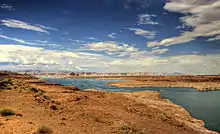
6,6
121,50
201,64
77,41
202,15
46,27
36,43
24,25
32,55
111,48
92,38
159,51
36,57
24,57
17,40
81,69
112,35
142,32
41,41
147,19
186,37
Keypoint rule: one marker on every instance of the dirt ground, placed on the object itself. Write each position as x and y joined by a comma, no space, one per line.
67,110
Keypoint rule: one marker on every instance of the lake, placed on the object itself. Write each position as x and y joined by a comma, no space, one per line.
201,105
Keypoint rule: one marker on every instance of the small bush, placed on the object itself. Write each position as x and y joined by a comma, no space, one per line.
6,84
46,97
40,93
53,107
34,89
44,130
7,112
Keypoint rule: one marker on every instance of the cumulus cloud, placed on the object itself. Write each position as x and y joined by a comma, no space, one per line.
202,15
25,57
142,32
111,48
32,55
147,19
24,25
121,50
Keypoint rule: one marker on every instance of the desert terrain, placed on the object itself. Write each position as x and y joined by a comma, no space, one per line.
30,105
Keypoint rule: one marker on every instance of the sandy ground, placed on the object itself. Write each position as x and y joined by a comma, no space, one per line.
90,112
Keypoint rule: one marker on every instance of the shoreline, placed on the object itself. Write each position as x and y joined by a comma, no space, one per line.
200,83
167,112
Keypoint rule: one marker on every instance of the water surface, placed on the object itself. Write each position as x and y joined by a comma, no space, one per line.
201,105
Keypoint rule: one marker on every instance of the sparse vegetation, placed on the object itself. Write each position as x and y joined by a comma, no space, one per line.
46,97
124,128
6,83
7,112
34,89
99,119
44,130
53,107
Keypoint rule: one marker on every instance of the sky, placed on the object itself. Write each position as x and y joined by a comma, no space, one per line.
165,36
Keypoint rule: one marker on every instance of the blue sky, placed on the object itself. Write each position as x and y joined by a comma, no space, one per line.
111,35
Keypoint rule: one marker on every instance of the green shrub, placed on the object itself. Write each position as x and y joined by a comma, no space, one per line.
7,112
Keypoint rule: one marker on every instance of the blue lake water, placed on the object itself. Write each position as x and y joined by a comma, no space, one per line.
201,105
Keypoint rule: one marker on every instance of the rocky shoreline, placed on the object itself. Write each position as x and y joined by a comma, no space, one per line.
89,111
